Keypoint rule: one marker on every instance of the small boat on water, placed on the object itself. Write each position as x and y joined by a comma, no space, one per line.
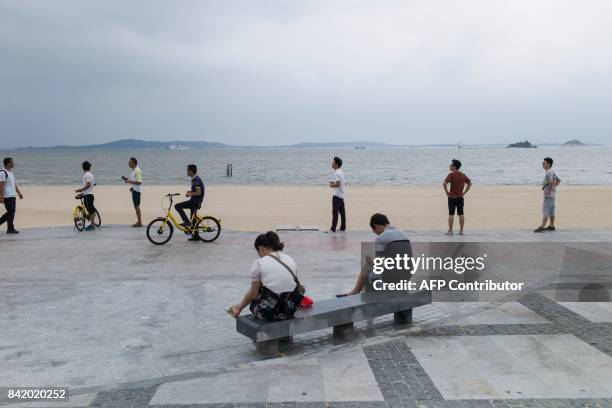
360,147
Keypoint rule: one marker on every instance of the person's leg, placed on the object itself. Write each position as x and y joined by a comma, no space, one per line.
551,215
5,215
342,211
10,204
460,203
451,215
136,202
335,211
545,215
180,209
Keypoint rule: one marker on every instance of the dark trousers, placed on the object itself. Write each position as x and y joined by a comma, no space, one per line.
88,202
338,208
192,206
10,203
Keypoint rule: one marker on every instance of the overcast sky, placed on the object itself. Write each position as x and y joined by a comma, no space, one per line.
261,72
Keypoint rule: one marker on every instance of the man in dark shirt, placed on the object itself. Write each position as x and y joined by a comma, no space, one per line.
196,196
457,181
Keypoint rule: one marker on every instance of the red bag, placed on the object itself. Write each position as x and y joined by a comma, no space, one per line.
306,302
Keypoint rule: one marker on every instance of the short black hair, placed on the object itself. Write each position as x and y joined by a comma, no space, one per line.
86,165
269,240
379,219
549,161
338,161
192,168
7,160
456,164
134,160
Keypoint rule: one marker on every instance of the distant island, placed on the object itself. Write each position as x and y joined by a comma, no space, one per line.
189,145
523,145
573,142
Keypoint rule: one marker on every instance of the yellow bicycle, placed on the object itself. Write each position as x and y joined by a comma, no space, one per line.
160,230
80,215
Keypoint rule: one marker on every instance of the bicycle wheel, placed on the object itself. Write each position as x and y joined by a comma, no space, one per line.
97,220
208,228
79,218
159,231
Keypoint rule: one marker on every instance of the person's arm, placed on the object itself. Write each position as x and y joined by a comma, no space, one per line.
549,184
2,191
18,192
197,192
468,186
249,296
445,185
85,187
334,184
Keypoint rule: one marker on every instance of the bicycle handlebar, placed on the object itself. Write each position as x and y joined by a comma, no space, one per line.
172,194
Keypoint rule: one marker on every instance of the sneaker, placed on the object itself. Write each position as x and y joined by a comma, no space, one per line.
539,229
550,228
90,227
196,238
449,233
12,232
329,231
460,232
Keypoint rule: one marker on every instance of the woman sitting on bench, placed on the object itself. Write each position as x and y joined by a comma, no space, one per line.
275,292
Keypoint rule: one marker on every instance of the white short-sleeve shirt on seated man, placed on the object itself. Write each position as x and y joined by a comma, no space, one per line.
273,275
88,177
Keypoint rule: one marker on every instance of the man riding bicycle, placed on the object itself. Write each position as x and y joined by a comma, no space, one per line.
196,196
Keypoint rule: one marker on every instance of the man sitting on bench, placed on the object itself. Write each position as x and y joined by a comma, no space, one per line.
386,233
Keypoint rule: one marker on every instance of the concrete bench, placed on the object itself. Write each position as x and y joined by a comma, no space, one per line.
339,313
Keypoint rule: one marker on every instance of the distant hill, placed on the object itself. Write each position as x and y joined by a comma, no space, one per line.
523,145
573,142
143,144
340,144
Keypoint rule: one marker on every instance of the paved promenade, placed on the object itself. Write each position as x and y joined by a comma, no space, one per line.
125,323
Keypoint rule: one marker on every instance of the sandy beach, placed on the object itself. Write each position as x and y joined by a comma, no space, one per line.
260,207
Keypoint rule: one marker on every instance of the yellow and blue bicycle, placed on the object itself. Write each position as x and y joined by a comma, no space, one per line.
160,230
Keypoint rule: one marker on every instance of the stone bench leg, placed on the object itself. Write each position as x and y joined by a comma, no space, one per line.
267,347
403,317
343,331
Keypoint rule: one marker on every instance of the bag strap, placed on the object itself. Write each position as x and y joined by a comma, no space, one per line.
295,278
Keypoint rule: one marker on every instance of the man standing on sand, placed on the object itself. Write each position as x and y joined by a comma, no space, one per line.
337,185
135,182
458,181
8,192
549,186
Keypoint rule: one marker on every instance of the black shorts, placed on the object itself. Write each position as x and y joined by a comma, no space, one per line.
455,204
88,201
136,198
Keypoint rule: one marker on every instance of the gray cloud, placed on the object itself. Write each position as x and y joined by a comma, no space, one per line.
279,72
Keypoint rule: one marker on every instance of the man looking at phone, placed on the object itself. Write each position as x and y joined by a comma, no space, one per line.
135,182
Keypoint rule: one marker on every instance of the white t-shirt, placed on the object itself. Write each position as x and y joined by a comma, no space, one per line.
136,176
9,183
550,174
339,176
88,177
272,274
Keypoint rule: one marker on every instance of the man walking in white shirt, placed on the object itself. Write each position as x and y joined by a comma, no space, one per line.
8,195
338,185
135,182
